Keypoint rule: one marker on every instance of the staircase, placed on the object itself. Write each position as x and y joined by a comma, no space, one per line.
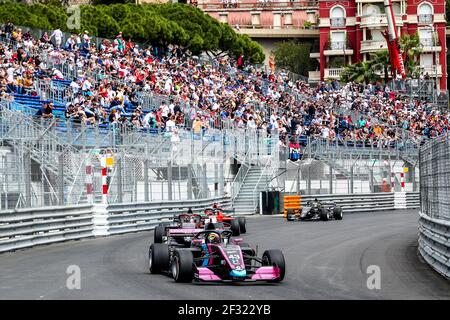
247,199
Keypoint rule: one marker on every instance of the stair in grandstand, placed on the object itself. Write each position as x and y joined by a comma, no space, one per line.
247,199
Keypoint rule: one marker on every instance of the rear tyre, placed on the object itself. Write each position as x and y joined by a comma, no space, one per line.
337,213
158,257
324,214
182,266
235,228
158,234
275,258
242,225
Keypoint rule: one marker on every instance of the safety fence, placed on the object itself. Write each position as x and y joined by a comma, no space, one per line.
367,202
434,222
23,228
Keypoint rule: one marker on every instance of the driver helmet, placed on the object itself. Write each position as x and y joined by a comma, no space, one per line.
215,205
315,200
213,238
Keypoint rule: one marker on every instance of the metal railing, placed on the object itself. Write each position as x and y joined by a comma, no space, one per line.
425,18
24,228
337,22
434,223
366,202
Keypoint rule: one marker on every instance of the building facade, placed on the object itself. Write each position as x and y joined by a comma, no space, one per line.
351,30
267,21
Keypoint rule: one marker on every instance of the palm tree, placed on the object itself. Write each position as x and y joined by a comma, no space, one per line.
380,62
362,71
410,45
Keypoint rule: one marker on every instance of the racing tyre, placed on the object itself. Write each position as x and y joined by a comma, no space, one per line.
275,258
158,234
182,266
242,225
158,257
290,215
324,214
337,213
235,228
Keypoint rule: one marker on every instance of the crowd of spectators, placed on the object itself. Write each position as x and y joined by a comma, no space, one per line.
114,75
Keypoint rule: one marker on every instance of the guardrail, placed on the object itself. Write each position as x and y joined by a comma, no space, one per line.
366,202
24,228
434,243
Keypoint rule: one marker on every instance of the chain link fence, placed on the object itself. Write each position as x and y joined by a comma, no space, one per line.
434,160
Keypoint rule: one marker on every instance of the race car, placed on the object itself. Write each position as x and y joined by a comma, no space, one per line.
213,257
234,223
317,210
180,230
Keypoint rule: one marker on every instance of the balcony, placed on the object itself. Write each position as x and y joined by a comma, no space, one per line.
334,73
373,45
338,48
378,20
430,45
425,18
432,70
314,76
337,22
242,5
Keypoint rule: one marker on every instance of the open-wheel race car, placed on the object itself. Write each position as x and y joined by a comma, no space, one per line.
180,230
316,210
213,257
225,220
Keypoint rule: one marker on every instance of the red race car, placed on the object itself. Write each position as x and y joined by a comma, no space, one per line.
217,215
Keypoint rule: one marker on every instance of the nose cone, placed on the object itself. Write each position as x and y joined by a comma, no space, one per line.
240,274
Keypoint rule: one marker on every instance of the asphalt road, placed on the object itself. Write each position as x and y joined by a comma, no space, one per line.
325,260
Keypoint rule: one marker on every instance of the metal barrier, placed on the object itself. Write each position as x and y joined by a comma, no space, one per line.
434,243
366,202
24,228
434,222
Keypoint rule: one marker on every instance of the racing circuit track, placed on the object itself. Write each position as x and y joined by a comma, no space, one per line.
324,260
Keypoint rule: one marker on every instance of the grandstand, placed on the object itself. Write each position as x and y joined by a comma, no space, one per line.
155,112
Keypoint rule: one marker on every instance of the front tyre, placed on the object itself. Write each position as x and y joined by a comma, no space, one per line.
242,225
235,227
337,213
275,258
182,266
323,214
158,257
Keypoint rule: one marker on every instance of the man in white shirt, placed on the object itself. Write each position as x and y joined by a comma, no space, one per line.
57,33
170,125
86,85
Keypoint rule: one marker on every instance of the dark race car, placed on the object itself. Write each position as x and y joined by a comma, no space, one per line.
317,210
212,256
180,230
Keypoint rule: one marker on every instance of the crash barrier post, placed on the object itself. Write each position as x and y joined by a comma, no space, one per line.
367,202
434,221
293,203
24,228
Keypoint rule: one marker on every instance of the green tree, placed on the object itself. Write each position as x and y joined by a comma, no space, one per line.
381,62
294,56
410,45
361,72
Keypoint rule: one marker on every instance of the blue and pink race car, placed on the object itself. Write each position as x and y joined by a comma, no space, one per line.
213,256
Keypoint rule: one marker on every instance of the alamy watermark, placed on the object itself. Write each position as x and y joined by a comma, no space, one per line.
374,280
74,17
73,281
